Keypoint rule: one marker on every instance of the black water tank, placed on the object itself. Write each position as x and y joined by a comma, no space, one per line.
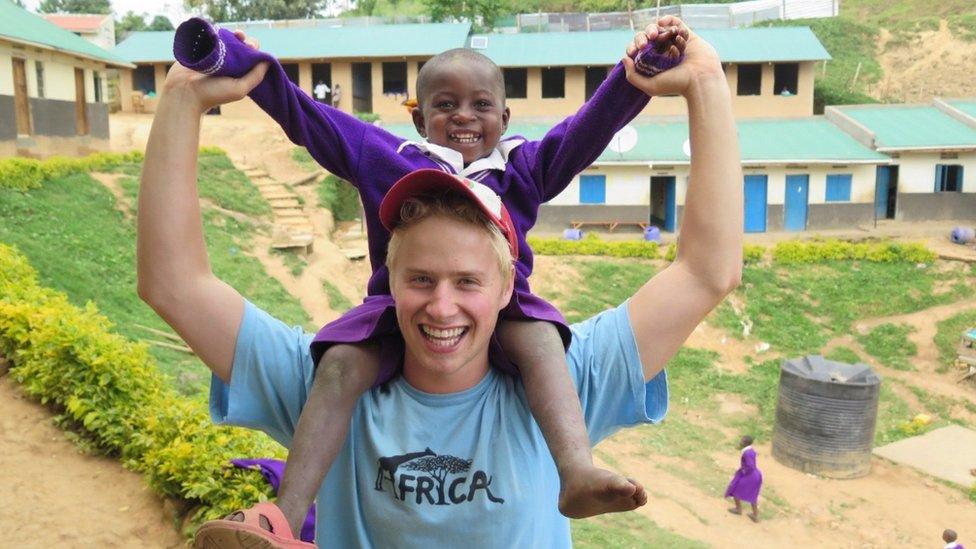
825,417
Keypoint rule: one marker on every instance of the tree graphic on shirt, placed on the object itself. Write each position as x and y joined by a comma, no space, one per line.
439,467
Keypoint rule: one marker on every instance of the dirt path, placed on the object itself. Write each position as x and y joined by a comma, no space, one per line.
892,507
56,496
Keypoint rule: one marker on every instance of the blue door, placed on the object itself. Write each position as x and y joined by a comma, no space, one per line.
755,207
795,213
881,183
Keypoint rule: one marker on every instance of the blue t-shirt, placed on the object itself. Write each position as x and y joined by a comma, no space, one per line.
419,469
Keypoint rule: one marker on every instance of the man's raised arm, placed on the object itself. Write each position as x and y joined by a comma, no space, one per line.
174,273
667,308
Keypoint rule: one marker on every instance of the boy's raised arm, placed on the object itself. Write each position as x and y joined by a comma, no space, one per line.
174,274
331,136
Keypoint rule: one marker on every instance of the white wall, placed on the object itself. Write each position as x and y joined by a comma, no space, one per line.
6,72
59,73
862,181
916,171
630,185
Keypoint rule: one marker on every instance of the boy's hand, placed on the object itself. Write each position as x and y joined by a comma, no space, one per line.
206,92
700,60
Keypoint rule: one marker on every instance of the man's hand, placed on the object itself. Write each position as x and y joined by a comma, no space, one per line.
700,60
206,92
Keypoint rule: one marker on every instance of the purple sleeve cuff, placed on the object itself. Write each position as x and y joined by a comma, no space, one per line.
201,47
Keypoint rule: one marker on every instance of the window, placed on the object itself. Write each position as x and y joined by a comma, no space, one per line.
593,189
39,70
395,78
144,79
785,78
97,77
594,77
515,83
948,178
553,82
838,188
750,80
291,71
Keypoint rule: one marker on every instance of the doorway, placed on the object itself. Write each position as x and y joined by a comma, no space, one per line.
21,101
662,212
81,110
362,87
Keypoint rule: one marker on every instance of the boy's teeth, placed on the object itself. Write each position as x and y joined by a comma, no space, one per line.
442,334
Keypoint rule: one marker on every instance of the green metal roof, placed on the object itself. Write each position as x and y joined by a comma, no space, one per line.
911,127
752,45
19,25
320,42
812,140
967,106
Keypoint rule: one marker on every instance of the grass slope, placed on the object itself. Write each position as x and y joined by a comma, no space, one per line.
72,233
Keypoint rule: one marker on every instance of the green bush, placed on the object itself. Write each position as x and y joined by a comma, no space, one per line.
28,173
110,388
592,245
369,117
339,197
816,251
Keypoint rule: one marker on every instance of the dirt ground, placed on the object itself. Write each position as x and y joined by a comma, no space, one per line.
56,496
65,498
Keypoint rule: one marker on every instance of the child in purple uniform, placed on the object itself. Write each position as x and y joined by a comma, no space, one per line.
462,116
950,537
747,482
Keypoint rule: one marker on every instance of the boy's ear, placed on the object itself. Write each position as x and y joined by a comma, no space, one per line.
506,114
418,121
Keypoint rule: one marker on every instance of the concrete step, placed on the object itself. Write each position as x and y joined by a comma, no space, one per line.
276,195
289,212
255,172
353,253
286,202
266,183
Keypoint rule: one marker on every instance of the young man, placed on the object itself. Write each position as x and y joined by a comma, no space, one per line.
454,456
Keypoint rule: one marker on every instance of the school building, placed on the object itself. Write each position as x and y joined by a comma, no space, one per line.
770,70
932,174
802,172
53,89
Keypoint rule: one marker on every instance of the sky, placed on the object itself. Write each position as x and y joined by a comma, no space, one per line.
170,8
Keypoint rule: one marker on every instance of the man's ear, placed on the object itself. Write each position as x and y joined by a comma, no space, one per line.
418,121
509,289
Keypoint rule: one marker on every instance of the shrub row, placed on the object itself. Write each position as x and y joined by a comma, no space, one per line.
29,173
794,251
788,252
110,388
592,245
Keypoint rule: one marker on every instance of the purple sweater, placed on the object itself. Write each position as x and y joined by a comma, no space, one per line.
372,159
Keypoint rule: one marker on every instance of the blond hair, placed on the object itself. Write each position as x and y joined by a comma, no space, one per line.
451,205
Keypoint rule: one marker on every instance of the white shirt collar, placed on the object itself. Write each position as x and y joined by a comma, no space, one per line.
448,157
746,448
952,545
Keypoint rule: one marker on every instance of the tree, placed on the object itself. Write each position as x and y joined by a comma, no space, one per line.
75,6
481,13
160,23
130,22
251,10
439,467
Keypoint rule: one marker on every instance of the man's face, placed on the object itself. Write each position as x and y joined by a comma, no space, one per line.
448,291
464,109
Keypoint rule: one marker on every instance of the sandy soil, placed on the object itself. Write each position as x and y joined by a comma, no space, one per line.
56,496
908,67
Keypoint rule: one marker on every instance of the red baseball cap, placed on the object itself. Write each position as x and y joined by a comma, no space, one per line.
425,181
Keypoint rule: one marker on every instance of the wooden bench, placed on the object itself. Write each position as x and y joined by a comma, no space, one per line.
611,225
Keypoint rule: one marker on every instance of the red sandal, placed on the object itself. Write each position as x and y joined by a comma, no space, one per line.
248,534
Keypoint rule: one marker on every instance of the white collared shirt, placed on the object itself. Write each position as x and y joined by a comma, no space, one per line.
452,161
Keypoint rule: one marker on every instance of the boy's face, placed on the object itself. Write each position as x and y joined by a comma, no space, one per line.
464,109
